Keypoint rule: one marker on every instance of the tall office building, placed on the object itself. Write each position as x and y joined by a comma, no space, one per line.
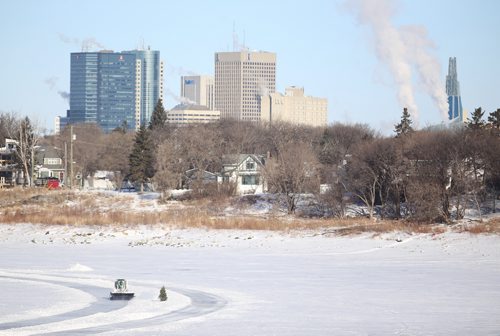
149,83
198,90
110,88
294,107
241,78
455,110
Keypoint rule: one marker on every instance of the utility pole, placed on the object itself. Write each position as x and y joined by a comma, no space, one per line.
32,165
65,164
71,158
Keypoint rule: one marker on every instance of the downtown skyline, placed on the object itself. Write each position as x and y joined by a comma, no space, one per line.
323,46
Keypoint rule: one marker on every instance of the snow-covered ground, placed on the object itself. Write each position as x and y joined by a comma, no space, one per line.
55,280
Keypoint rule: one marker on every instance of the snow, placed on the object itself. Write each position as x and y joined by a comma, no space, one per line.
55,280
79,268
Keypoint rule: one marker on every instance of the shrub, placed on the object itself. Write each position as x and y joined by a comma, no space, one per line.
163,294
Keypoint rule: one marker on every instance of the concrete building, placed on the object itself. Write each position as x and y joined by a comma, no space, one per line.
241,78
110,88
295,108
198,90
192,114
59,124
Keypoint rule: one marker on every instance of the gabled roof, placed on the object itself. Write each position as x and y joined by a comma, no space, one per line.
237,159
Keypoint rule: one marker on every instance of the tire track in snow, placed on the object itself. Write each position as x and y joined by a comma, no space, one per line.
202,303
100,305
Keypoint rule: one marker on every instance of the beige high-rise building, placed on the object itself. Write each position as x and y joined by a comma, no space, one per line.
295,108
198,90
241,78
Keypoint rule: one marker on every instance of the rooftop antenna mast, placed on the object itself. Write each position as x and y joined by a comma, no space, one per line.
235,38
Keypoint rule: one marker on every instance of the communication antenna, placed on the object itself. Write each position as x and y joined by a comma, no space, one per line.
235,38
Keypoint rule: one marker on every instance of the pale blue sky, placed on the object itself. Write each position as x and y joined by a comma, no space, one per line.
320,45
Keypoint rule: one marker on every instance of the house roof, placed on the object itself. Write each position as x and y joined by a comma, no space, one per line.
237,159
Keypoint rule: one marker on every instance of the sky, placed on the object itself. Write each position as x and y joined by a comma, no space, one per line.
370,58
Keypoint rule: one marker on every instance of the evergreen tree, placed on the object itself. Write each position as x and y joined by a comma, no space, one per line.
476,121
163,294
159,117
141,159
494,119
404,127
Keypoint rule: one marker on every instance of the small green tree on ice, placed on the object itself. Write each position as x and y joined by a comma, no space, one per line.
163,294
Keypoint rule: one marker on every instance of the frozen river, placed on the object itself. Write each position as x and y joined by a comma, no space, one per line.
248,283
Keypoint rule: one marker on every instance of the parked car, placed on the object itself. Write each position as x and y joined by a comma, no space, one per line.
49,182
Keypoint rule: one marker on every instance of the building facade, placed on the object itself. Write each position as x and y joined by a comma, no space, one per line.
149,84
192,114
112,88
198,90
241,78
59,124
295,108
455,110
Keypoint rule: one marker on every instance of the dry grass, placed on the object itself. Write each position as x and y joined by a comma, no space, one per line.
75,208
490,227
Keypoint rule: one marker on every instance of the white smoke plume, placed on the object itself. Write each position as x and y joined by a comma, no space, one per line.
87,44
179,99
402,49
179,71
428,67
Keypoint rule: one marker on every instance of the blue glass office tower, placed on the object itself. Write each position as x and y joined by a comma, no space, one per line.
455,109
110,88
151,87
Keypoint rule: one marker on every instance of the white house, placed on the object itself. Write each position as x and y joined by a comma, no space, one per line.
245,170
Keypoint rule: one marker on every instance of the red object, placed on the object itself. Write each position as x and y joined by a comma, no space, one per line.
53,184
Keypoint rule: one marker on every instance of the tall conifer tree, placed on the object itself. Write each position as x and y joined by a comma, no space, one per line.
159,117
404,127
141,159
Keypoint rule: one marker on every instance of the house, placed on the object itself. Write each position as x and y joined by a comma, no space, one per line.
204,176
49,162
8,164
245,170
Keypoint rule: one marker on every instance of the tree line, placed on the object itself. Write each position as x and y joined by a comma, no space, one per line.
432,174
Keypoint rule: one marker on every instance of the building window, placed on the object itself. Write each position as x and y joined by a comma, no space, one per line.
250,180
52,161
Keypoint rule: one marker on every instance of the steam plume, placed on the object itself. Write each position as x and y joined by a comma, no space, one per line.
64,95
401,49
51,82
179,99
86,44
427,66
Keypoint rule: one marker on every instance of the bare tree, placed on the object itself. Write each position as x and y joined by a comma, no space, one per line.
28,139
291,172
87,145
362,176
9,126
171,164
